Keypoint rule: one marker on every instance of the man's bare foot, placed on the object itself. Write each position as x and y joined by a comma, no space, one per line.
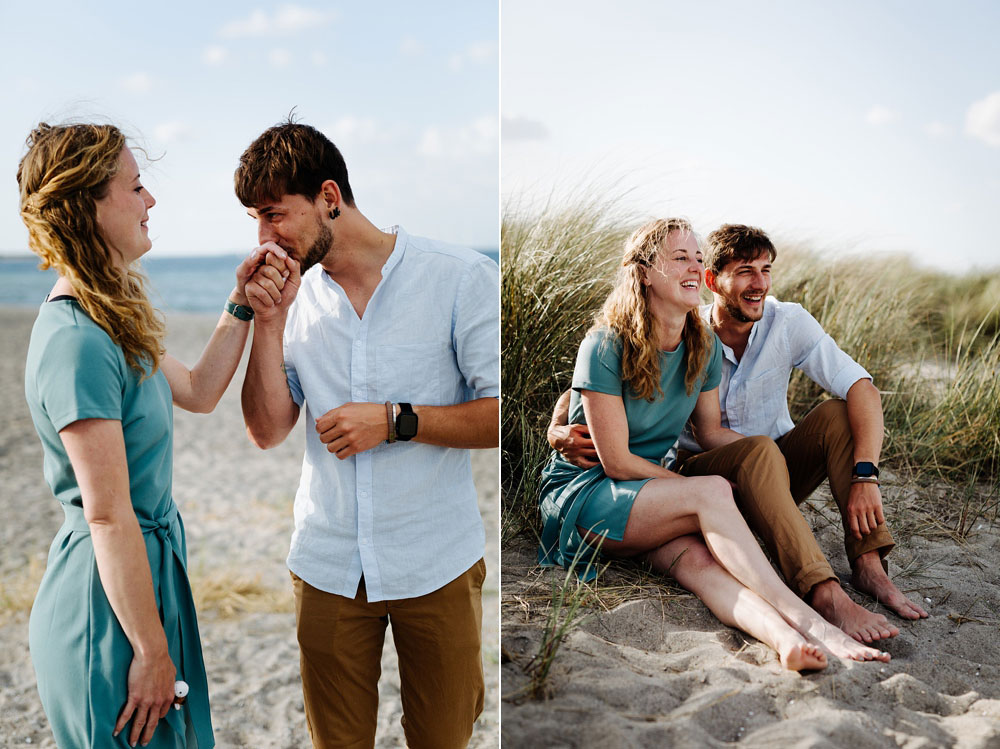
802,656
834,605
869,577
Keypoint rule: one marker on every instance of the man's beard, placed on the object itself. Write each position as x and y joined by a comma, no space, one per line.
737,314
318,249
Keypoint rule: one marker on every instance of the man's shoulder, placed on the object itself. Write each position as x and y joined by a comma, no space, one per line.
778,310
434,252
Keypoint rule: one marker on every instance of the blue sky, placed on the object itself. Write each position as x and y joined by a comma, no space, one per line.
851,126
408,92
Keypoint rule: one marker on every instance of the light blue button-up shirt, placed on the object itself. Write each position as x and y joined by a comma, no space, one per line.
753,394
405,515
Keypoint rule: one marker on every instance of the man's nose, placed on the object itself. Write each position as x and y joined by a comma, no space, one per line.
265,232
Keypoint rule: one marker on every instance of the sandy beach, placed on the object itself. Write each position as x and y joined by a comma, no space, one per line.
652,667
237,506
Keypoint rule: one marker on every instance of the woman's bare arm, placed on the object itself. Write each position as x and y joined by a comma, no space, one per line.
96,449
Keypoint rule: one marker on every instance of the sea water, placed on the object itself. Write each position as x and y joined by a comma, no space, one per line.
189,284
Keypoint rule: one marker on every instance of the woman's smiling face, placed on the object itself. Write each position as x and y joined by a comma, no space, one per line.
123,211
676,276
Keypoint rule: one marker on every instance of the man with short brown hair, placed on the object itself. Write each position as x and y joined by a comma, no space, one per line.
392,348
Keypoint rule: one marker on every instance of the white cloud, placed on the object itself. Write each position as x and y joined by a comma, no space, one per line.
357,129
279,57
982,121
288,19
171,132
318,58
476,53
352,130
522,128
937,130
137,83
879,115
476,138
411,47
214,55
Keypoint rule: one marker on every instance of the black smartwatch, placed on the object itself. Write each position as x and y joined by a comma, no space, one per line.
865,469
406,423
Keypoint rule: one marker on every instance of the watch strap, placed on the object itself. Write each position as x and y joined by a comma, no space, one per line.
239,311
391,419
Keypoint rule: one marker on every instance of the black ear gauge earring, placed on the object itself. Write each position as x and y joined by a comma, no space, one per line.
334,213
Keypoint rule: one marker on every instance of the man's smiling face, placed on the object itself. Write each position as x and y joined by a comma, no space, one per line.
741,287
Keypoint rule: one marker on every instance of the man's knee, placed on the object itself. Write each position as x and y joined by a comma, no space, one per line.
761,451
833,414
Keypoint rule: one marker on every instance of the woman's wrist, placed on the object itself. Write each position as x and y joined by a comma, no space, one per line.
236,297
152,646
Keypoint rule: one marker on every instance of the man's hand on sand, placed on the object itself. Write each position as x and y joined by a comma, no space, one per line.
274,283
864,509
574,443
353,428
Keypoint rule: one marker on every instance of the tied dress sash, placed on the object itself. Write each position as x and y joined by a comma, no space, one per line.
177,613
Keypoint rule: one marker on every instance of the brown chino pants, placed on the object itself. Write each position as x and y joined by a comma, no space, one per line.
773,478
437,638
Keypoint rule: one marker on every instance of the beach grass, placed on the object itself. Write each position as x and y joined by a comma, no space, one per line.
17,591
232,592
930,340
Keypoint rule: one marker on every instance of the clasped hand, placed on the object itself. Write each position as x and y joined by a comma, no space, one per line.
269,279
353,428
573,441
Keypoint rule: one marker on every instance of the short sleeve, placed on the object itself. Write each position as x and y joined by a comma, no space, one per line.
599,364
818,355
476,329
291,376
81,375
713,371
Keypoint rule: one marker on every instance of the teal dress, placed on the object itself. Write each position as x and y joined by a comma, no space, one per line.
571,496
79,650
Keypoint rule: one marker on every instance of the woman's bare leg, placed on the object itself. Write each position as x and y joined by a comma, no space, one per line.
665,509
689,561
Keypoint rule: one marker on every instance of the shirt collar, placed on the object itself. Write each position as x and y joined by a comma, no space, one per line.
398,250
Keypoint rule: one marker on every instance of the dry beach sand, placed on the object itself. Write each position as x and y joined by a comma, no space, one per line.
237,506
651,667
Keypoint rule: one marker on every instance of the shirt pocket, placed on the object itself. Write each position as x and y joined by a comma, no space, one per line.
768,387
411,372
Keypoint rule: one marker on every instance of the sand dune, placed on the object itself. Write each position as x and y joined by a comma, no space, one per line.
237,507
659,670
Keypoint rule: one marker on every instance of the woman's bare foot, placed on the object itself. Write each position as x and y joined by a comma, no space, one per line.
834,605
842,646
802,656
869,577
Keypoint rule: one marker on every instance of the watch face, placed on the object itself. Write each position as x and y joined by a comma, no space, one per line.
864,469
406,425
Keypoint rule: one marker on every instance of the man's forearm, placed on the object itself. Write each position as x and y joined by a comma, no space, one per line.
268,408
864,413
474,424
713,438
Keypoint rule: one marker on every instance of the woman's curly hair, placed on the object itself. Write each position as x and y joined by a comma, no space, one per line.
65,171
626,313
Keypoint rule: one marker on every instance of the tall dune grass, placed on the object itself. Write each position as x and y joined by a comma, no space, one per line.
930,340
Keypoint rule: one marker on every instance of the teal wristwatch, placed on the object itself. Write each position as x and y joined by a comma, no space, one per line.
239,311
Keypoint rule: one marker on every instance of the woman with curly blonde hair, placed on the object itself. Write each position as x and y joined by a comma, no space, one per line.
113,624
647,365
